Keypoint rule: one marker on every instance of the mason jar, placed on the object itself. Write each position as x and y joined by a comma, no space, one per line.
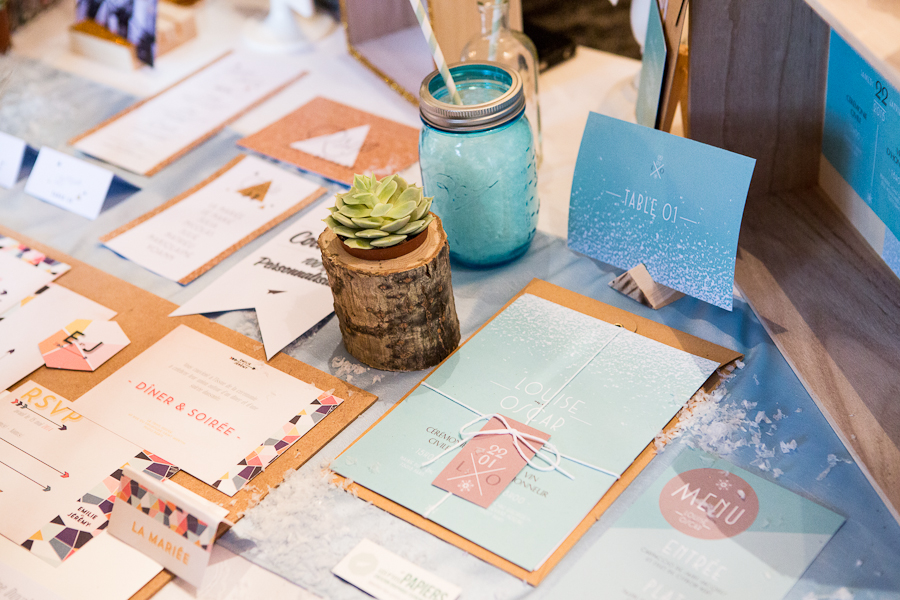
478,162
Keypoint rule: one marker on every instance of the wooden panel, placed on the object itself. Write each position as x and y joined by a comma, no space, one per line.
757,85
833,308
366,20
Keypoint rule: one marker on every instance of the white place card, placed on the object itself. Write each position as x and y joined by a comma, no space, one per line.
167,522
12,152
72,184
386,576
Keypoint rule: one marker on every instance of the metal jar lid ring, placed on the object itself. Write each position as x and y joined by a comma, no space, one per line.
472,117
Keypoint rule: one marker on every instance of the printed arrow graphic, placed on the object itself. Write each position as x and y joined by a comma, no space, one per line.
63,474
24,405
276,291
38,483
7,353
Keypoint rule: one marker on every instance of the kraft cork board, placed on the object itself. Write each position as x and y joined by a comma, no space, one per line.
144,318
424,402
336,141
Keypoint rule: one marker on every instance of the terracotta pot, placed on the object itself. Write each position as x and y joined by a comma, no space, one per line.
390,252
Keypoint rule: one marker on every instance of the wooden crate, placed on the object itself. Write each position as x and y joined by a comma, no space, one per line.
832,306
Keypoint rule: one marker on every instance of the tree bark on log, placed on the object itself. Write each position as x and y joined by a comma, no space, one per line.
397,314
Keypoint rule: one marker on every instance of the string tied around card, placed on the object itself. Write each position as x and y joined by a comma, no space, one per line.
518,437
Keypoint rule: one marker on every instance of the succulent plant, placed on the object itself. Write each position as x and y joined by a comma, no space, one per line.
378,214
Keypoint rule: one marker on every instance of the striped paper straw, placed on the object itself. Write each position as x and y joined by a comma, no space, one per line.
435,50
495,30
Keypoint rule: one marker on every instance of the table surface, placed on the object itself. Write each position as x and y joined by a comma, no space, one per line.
304,527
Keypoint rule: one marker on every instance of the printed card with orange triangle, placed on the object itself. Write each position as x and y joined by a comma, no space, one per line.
335,141
193,232
83,345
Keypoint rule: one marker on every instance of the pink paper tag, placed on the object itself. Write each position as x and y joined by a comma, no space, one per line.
487,463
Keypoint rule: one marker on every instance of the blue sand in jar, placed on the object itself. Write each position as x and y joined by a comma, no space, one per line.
484,184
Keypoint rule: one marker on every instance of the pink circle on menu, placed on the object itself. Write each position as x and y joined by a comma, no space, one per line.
709,504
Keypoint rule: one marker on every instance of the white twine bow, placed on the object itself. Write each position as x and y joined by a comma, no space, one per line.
518,437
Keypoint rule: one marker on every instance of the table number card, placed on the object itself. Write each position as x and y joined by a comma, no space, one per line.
190,234
75,185
705,529
675,205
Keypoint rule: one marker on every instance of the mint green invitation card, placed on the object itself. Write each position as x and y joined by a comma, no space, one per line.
705,529
601,392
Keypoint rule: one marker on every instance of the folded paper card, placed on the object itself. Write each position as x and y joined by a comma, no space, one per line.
675,205
22,332
336,141
154,132
15,157
75,185
23,271
170,524
284,281
199,403
598,391
705,529
190,234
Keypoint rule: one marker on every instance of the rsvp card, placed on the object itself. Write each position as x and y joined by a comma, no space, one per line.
675,205
705,529
190,234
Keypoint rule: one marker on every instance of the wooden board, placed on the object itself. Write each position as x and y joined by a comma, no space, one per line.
833,309
604,312
144,318
757,84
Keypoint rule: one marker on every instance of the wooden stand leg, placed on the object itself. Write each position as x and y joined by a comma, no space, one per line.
398,314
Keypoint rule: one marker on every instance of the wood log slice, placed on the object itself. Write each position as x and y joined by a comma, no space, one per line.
397,314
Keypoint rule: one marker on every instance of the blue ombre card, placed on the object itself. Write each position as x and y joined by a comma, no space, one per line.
645,196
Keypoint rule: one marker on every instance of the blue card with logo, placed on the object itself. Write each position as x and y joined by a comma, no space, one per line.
645,196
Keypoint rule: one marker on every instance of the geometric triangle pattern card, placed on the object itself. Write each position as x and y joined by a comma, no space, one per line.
83,345
335,141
